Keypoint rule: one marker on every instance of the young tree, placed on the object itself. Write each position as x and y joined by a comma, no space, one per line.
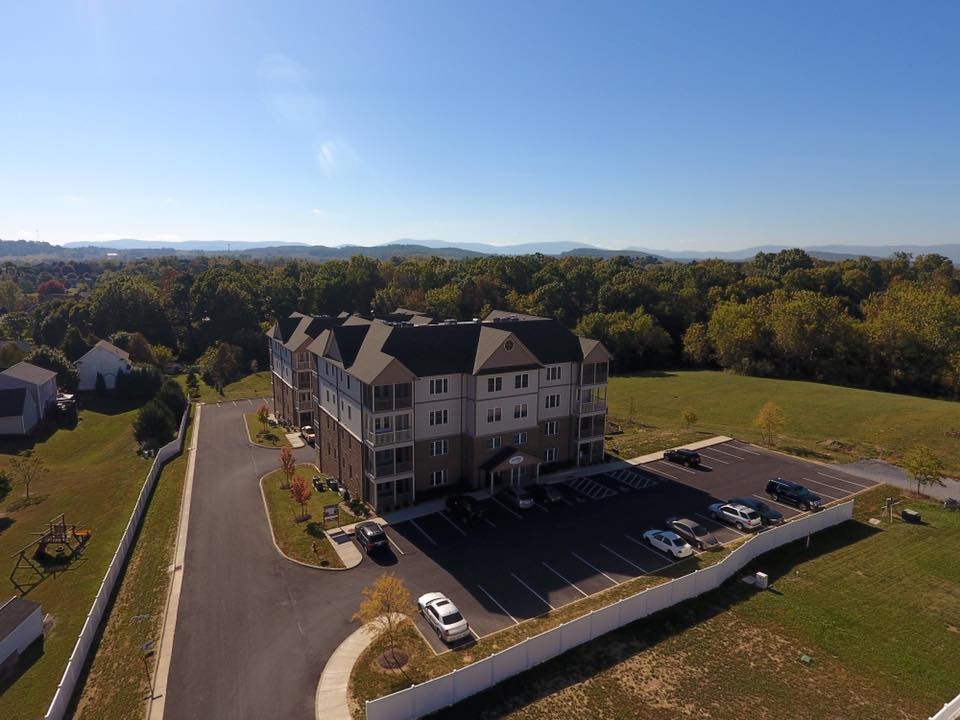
263,417
770,420
689,417
925,467
300,492
27,467
288,466
387,605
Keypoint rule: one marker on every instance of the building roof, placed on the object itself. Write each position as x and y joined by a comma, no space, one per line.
110,348
29,373
11,402
24,347
308,329
13,612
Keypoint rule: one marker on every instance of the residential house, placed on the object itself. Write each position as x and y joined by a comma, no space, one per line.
21,625
103,359
27,394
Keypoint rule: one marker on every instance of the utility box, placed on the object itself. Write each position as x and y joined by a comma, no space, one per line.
762,581
910,516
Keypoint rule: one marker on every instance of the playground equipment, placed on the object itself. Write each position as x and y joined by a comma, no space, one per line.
67,543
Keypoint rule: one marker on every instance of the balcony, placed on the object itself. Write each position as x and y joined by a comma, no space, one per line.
388,437
593,406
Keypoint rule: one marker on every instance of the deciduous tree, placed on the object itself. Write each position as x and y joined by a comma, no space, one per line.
925,467
770,420
263,417
300,492
387,605
288,466
689,417
27,467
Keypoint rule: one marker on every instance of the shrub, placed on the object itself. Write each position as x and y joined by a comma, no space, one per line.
5,485
315,529
172,395
154,425
142,382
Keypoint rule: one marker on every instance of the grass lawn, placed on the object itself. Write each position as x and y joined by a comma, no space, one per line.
878,610
291,535
113,688
255,385
271,437
94,475
825,422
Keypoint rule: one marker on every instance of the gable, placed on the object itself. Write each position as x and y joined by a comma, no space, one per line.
502,349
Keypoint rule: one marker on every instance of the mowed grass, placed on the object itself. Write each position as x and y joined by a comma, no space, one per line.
824,422
255,385
113,689
291,534
273,437
877,610
94,475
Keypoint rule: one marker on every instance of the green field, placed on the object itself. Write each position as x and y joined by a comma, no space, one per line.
94,476
291,535
255,385
112,691
823,422
877,610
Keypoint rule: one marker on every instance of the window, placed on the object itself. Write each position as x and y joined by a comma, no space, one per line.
438,417
521,381
493,442
493,415
553,372
551,455
328,396
519,411
438,477
438,386
349,413
494,384
438,447
551,428
552,401
520,439
348,382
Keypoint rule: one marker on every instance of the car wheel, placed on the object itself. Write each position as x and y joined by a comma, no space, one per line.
740,526
808,506
713,515
439,634
700,546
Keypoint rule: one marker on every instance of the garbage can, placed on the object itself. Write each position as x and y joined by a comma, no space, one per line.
910,516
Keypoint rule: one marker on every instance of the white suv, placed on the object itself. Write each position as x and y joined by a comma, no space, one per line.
740,516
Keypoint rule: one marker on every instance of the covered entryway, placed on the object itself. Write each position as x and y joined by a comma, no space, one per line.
510,467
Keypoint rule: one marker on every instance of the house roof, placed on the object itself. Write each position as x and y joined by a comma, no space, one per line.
11,402
110,348
13,612
308,328
29,373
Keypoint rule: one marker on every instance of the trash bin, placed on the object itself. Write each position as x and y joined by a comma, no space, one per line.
910,516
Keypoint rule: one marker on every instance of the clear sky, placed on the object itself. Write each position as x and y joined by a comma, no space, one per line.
673,125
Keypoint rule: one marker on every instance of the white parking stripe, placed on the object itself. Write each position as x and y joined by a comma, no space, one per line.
714,448
715,459
497,603
832,487
591,565
250,401
674,466
648,546
489,522
542,598
512,512
846,480
457,527
742,447
658,471
540,507
422,531
626,560
234,402
774,502
394,544
721,524
571,584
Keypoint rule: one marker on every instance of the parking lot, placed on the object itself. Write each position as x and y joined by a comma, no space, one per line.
516,564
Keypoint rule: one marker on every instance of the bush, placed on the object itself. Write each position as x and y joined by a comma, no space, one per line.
142,382
315,529
5,485
154,425
358,508
172,395
52,359
100,387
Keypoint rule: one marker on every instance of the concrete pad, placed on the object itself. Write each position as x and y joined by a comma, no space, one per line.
349,555
295,440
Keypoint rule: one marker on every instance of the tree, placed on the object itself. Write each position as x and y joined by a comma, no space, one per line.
164,356
141,383
300,492
263,417
52,359
770,420
386,605
288,466
689,417
50,287
136,345
172,395
74,346
154,425
925,467
27,467
5,485
123,301
696,344
10,354
100,386
221,364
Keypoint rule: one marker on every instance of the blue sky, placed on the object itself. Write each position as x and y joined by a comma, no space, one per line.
666,125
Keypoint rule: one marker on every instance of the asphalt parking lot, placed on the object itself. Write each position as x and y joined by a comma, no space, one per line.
514,565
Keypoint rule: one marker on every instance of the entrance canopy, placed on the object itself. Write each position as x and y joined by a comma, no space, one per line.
507,458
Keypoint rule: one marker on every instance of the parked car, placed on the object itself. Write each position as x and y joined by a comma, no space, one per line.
307,433
740,516
318,484
794,493
682,456
669,542
370,536
694,533
518,497
464,508
333,485
545,494
767,514
442,615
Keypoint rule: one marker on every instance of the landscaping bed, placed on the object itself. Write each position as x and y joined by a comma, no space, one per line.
271,436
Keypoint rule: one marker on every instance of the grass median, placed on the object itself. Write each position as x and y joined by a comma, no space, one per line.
272,437
255,385
300,539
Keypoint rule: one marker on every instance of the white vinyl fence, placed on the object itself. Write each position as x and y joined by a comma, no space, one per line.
950,711
455,686
68,683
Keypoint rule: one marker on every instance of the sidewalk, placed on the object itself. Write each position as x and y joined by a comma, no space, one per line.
340,539
330,702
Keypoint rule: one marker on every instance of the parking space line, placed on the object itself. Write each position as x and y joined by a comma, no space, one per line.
234,402
651,548
489,522
715,459
851,482
457,527
512,512
250,401
422,531
629,562
591,565
540,507
783,505
497,603
843,493
662,472
390,539
721,524
541,597
674,466
573,585
724,452
740,446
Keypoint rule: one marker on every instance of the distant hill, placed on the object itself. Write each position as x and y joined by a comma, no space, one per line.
824,252
601,253
545,248
185,245
380,252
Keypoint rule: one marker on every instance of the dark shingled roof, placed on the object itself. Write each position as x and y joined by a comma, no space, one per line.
434,349
11,402
349,338
30,373
285,327
549,340
13,612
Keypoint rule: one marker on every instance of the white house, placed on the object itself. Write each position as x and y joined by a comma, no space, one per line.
104,359
27,393
21,625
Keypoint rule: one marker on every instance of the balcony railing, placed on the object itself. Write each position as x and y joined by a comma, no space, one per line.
593,406
388,437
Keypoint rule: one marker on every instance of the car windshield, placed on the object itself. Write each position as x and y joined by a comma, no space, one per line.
699,530
452,618
752,515
678,542
801,491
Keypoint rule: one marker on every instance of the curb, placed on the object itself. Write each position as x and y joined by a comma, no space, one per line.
243,419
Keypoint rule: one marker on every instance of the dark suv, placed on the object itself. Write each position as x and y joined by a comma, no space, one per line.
464,508
683,457
370,536
794,493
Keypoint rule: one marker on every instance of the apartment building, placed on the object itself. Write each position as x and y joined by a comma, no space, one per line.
409,409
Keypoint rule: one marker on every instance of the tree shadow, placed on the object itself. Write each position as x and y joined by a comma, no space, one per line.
805,452
5,522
